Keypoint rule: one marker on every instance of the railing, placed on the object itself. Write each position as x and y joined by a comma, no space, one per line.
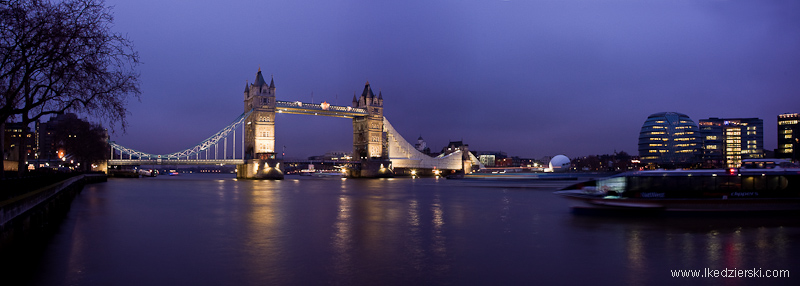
316,108
137,162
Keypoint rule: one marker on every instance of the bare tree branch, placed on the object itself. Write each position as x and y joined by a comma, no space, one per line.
62,56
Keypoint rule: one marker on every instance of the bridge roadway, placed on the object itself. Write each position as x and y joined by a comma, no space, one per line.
319,109
138,162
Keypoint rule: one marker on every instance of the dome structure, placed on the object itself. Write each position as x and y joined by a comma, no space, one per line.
669,139
560,163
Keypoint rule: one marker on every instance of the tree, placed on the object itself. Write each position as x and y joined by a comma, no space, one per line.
82,141
58,56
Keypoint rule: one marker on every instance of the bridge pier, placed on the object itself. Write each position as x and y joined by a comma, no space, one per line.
371,169
263,168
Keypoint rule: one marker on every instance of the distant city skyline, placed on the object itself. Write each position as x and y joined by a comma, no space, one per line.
529,78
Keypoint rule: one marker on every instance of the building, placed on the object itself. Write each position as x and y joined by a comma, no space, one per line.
455,146
669,139
333,156
47,150
491,158
726,141
788,129
422,146
13,133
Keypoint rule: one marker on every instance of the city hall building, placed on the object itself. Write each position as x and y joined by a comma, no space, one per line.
669,139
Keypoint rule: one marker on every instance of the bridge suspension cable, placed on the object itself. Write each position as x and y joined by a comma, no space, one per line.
194,151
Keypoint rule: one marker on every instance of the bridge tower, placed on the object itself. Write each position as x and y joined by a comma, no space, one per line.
260,158
370,143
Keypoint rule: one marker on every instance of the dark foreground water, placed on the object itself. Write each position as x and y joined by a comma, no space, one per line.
215,230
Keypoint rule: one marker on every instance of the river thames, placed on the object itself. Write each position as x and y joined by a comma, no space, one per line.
205,229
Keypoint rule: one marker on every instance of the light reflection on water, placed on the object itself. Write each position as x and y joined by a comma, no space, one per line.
213,230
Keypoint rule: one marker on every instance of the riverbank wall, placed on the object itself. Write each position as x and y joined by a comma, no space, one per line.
25,216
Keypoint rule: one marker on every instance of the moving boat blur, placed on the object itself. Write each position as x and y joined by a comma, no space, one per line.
759,185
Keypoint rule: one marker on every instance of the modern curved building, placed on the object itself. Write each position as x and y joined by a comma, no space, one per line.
670,139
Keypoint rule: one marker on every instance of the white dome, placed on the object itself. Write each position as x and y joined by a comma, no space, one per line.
559,163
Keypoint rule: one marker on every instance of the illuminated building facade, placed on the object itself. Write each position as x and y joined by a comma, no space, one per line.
727,141
14,133
259,98
788,128
669,139
369,140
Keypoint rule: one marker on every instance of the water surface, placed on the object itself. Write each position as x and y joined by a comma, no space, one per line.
215,230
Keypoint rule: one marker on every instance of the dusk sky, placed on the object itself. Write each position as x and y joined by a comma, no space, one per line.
531,78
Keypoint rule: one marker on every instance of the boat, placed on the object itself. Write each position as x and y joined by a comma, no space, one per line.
148,173
758,185
526,176
327,174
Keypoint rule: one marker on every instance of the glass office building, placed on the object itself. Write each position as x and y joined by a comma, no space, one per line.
788,141
727,141
669,139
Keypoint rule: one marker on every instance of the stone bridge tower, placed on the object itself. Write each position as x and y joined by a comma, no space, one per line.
369,140
370,143
260,157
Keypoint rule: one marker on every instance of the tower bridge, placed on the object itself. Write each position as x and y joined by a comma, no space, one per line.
378,147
